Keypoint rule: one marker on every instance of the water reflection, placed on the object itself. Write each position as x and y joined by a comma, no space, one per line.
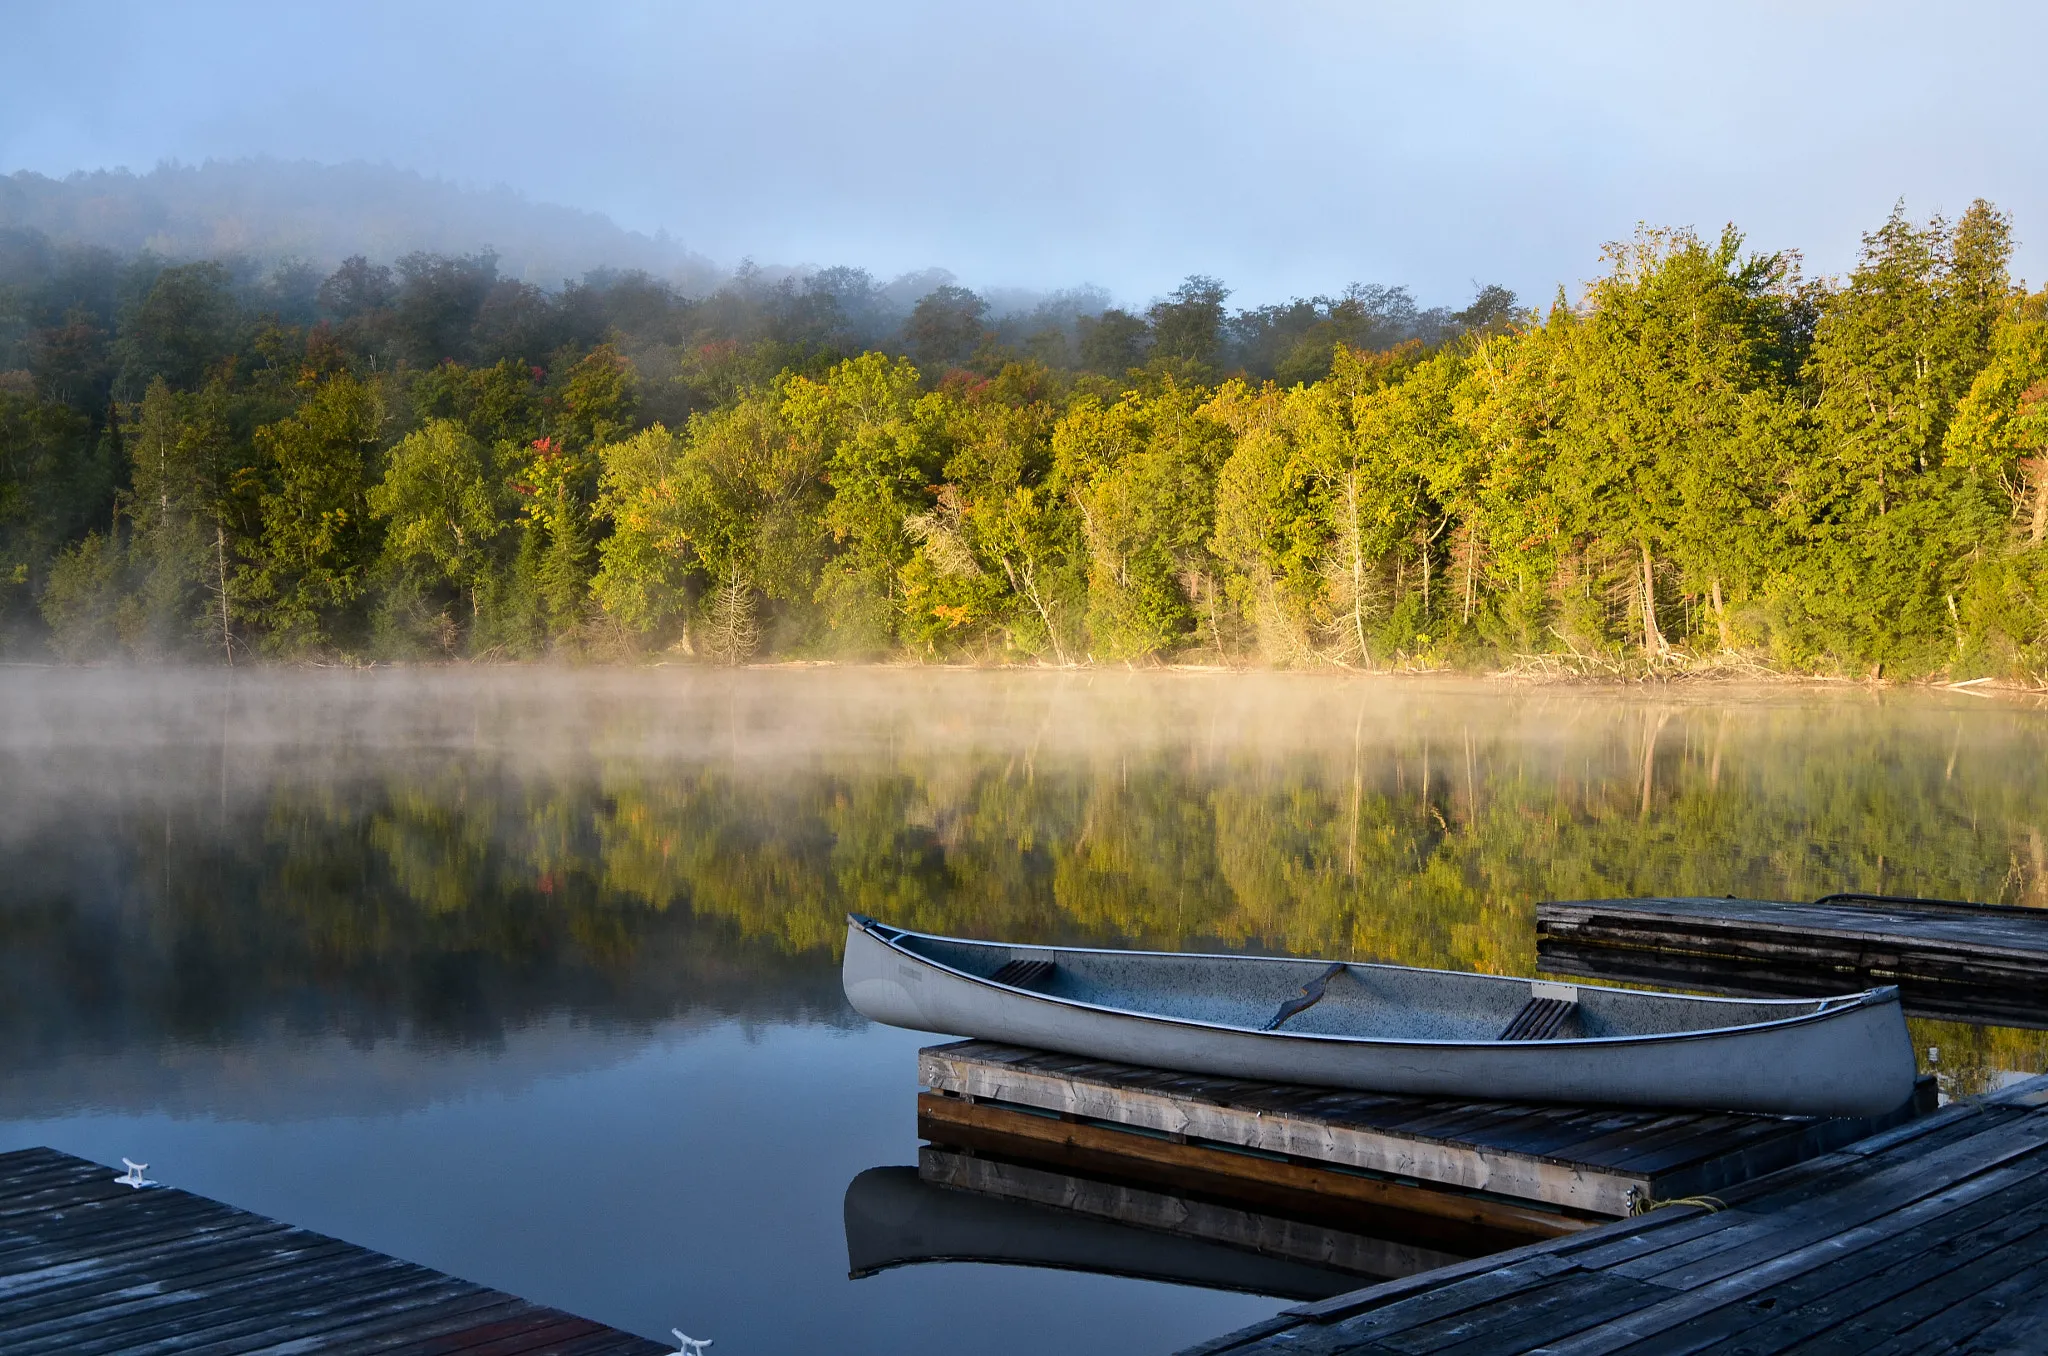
959,1208
315,896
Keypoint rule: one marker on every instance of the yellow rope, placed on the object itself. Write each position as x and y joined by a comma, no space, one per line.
1640,1203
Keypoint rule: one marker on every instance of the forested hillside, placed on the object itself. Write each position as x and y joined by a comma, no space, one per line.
276,209
1704,455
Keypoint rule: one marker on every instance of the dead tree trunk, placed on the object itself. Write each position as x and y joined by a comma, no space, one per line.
1721,616
1653,639
220,561
2038,530
1471,567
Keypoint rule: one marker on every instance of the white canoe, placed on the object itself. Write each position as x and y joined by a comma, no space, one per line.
1392,1028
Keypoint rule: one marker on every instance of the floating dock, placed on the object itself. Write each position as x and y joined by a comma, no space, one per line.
88,1266
1931,948
1488,1174
1932,1237
1950,1002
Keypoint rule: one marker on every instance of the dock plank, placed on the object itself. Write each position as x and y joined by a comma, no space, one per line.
1936,1241
89,1267
1937,953
1891,1282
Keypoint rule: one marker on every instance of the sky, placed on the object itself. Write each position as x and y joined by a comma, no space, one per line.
1285,146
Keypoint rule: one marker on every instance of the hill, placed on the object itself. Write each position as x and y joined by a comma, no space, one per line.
274,209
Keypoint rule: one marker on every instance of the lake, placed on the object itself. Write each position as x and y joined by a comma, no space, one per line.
531,975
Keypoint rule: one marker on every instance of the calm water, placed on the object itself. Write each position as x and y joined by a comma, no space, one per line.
531,976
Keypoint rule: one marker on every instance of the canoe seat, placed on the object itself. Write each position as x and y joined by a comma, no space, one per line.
1024,974
1539,1019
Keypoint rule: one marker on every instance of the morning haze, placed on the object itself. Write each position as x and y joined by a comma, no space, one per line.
520,525
1288,149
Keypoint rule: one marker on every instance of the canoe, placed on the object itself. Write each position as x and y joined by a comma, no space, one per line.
1392,1028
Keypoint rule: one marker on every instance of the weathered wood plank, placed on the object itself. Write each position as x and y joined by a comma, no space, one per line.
1948,1179
414,1328
1573,1304
1861,1281
161,1275
950,1120
92,1268
1994,1004
1992,950
112,1238
249,1291
1463,1166
2018,1326
1483,1286
244,1322
1937,1311
1936,1240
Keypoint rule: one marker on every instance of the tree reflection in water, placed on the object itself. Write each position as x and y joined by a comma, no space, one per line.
450,855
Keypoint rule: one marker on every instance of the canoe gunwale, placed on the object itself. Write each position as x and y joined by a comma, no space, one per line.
1828,1008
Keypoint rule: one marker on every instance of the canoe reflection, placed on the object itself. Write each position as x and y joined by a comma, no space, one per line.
957,1207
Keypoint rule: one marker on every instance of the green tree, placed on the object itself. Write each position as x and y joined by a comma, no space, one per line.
1271,525
997,564
1997,444
1894,353
311,560
1676,428
170,546
945,327
878,438
1187,327
184,324
445,505
57,484
729,510
1113,342
1140,474
2000,429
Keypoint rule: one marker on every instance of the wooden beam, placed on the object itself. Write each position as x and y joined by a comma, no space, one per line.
979,1124
1530,1177
1990,949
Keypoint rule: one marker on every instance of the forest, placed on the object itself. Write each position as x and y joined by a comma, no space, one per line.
1706,458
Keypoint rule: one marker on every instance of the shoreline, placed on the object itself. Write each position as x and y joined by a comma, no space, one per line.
1618,677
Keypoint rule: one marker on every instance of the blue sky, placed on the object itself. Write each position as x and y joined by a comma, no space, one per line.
1287,147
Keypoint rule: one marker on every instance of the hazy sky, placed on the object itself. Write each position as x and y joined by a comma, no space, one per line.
1285,147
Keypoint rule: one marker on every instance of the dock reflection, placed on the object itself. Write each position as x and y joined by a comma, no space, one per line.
962,1207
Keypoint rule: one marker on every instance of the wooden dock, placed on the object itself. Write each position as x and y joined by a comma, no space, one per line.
1932,1237
1487,1173
1921,944
1948,1002
91,1267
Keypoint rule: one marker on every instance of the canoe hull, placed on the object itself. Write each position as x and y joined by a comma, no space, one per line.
1855,1061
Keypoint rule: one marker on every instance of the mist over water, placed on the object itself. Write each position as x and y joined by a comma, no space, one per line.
532,975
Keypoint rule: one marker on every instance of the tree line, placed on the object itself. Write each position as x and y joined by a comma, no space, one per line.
1704,456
